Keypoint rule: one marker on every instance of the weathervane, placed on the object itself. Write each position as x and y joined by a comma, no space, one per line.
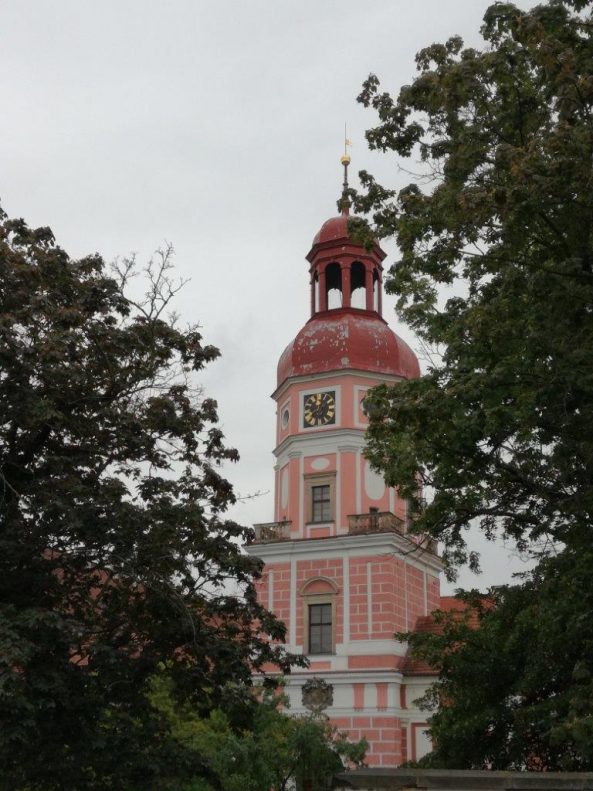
345,160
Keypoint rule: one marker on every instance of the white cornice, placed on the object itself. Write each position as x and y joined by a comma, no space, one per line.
344,676
363,544
326,441
371,647
380,378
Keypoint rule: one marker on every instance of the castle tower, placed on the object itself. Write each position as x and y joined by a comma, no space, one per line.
340,568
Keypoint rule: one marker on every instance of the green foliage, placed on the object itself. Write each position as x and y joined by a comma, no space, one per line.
271,750
496,277
115,553
517,690
502,425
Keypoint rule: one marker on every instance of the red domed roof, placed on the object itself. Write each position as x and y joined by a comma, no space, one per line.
333,229
336,230
347,339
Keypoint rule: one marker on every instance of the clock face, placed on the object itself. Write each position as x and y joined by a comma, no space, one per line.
319,409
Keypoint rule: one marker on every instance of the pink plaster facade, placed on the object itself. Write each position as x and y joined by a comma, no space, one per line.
355,558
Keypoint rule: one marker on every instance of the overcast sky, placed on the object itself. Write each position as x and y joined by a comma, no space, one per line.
217,126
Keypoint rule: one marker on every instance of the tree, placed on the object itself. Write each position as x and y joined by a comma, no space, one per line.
495,273
502,426
516,688
271,750
115,553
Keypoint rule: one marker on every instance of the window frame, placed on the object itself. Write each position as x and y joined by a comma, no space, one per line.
327,596
321,507
308,601
326,627
316,481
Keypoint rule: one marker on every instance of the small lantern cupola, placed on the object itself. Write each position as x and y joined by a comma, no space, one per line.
344,275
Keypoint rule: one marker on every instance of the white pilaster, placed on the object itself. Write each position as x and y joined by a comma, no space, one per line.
406,594
358,483
293,601
369,598
346,596
338,514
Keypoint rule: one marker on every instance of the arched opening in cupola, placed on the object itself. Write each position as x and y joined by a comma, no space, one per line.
376,304
357,286
333,286
316,293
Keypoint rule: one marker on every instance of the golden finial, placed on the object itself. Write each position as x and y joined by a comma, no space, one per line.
345,160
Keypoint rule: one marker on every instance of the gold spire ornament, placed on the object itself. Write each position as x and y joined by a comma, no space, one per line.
345,160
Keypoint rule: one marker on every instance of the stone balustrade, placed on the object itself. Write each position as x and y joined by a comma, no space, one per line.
375,522
386,522
267,532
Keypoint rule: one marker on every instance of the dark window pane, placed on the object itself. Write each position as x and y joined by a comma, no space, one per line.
320,496
320,613
320,493
320,628
315,640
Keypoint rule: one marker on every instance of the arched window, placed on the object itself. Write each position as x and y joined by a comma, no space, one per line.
376,290
319,615
357,286
316,293
333,285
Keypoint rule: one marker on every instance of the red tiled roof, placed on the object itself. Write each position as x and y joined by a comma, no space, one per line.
426,623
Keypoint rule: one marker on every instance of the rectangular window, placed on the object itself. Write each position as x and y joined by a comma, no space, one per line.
320,498
321,502
320,629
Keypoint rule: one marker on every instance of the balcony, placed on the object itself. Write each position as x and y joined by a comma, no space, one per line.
386,522
375,522
269,532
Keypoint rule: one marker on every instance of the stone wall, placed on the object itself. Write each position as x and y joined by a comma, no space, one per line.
459,780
